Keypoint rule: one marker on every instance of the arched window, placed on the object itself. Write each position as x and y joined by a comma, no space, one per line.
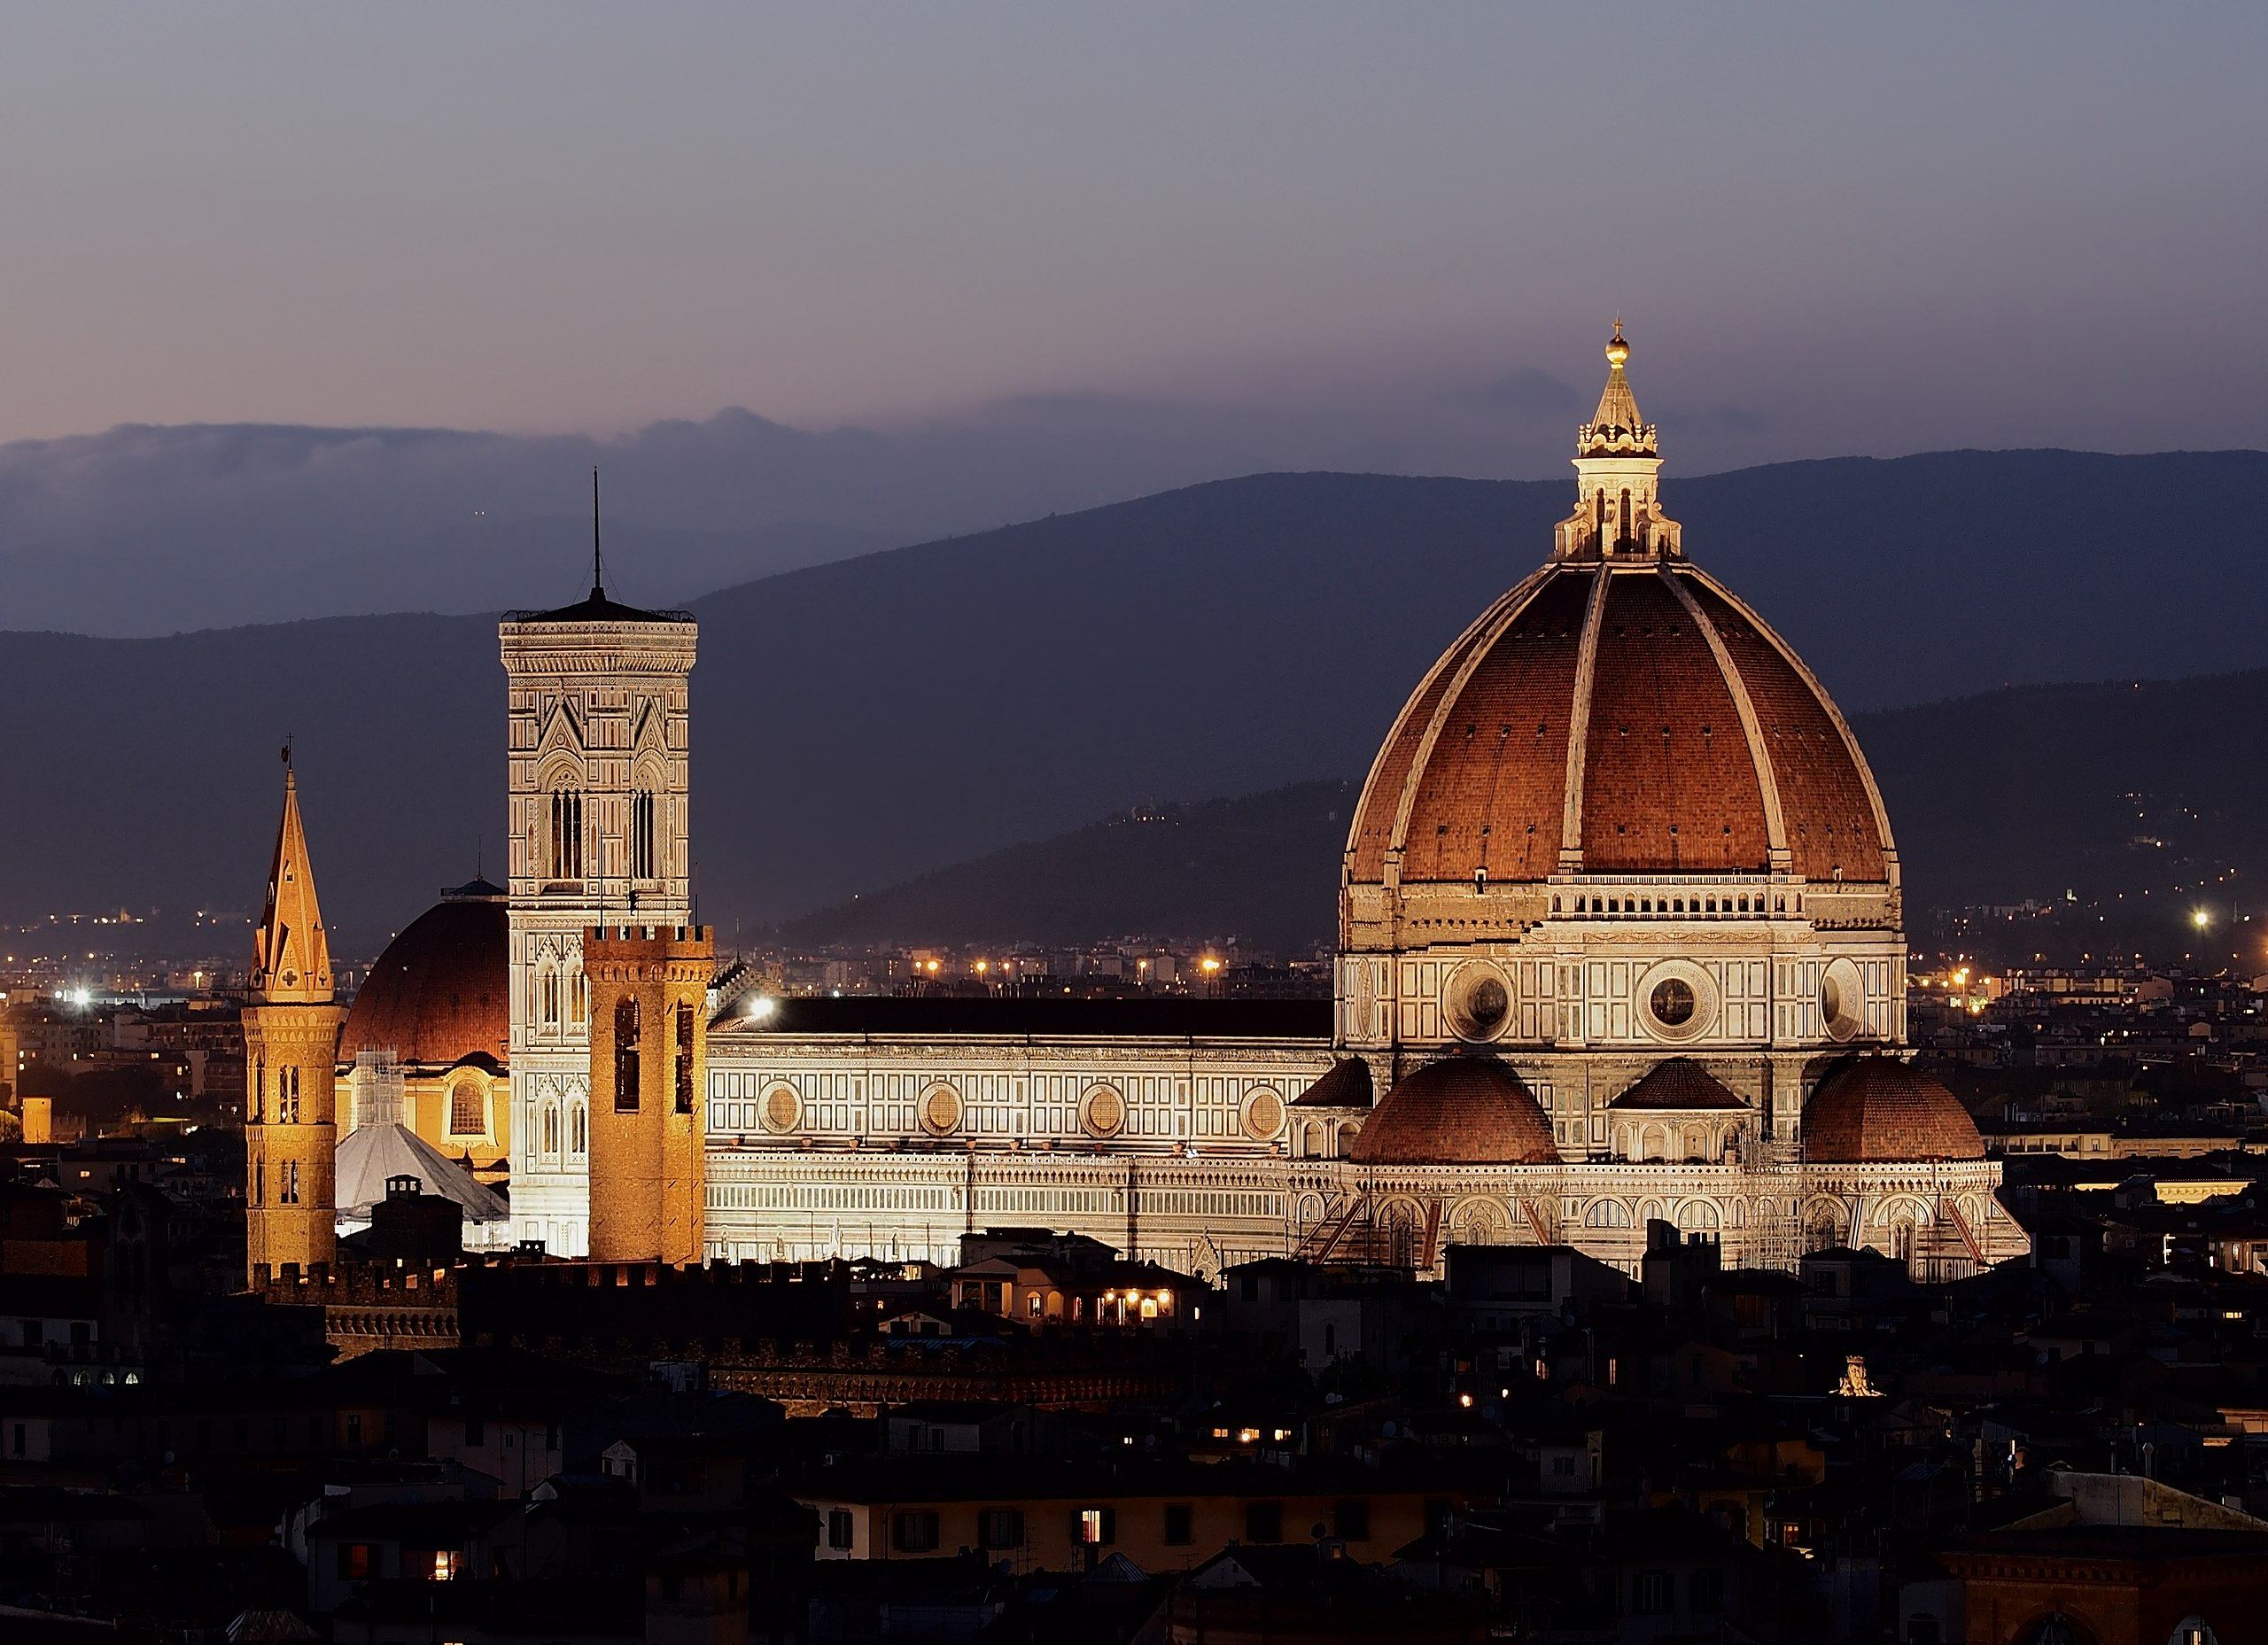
551,1128
468,1108
1606,1213
626,1056
684,1071
564,858
641,835
578,998
547,990
578,1130
259,1089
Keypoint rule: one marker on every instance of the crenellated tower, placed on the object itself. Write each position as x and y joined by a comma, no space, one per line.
649,1079
290,1028
597,701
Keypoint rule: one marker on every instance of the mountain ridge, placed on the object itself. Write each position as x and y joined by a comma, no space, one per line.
861,721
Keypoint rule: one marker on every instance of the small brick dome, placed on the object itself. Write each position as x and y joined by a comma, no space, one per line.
1461,1110
439,993
1682,1083
1877,1108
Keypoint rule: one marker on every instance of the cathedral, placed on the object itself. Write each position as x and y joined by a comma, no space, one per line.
1619,942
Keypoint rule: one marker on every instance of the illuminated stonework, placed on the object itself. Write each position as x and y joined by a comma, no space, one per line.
597,696
1620,916
291,1026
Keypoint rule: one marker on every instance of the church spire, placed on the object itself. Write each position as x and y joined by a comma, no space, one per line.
290,954
1617,515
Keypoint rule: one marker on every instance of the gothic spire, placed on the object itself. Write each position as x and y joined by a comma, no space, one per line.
290,954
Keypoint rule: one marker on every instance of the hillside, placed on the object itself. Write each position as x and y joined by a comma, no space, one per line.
2139,800
860,723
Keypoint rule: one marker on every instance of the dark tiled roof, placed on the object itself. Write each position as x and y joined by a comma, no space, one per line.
1009,1017
1347,1085
596,607
1680,1082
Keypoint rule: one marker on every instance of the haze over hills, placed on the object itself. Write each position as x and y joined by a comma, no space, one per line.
862,722
2142,802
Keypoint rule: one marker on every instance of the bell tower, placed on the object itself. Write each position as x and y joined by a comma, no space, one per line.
649,1075
596,696
290,1028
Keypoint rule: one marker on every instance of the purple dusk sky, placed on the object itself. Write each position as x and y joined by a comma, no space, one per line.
1831,230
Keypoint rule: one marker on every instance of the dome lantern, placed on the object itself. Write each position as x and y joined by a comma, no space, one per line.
1618,459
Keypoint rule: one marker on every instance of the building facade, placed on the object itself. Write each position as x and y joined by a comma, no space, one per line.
597,710
1621,941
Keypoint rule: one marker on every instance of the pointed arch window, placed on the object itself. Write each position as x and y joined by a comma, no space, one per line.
626,1056
578,1130
259,1089
641,835
546,988
551,1128
564,860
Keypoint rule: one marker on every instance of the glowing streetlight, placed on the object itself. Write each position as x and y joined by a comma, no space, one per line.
2202,918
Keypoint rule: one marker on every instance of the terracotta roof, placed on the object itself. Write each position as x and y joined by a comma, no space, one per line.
1680,1082
439,994
1474,773
1460,1110
1345,1085
1875,1108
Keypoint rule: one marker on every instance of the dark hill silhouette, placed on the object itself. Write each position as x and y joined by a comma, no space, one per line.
2139,798
861,722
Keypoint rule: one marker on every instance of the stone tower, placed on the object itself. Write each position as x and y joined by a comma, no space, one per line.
290,1028
597,832
648,1076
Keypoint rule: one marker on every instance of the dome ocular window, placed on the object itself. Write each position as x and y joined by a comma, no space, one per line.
1842,1000
1677,1000
782,1108
1478,1001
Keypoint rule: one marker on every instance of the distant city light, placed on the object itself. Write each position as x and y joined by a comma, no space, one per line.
2202,918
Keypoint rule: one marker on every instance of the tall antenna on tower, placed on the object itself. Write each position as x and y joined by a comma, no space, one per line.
598,579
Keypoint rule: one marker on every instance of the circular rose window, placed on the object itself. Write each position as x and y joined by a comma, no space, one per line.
941,1109
1263,1116
1106,1112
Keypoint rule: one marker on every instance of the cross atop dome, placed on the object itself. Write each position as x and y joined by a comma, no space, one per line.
1618,516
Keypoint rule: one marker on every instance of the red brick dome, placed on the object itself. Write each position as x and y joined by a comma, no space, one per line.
1460,1110
1877,1108
439,993
1693,740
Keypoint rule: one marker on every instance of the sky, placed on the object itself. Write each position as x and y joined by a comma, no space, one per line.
1830,230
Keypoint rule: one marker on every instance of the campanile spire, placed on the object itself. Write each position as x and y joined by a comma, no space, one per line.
290,1028
290,955
1618,460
